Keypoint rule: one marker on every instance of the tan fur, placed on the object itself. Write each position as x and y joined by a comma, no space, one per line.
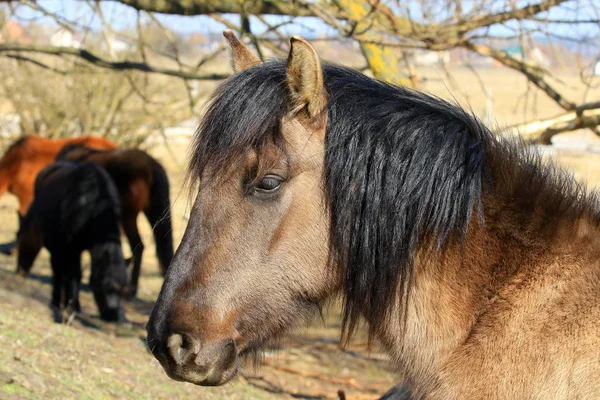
475,331
241,57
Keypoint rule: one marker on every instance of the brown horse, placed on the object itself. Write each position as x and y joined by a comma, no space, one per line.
475,263
143,186
26,157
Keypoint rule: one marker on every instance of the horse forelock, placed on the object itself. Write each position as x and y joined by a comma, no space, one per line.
244,115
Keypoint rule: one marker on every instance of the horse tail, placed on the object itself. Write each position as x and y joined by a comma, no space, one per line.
158,213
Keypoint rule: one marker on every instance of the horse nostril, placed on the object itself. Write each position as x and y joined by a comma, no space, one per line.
182,347
174,345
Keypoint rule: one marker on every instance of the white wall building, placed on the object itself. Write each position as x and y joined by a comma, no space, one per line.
65,38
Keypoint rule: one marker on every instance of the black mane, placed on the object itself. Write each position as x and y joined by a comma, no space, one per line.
400,167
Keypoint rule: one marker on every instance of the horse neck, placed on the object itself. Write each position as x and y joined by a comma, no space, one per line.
98,251
443,302
453,289
105,229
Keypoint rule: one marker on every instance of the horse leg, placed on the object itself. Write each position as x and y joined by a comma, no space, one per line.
21,218
137,248
73,283
25,200
57,279
56,290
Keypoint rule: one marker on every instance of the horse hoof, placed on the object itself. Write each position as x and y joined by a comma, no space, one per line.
57,314
21,272
130,294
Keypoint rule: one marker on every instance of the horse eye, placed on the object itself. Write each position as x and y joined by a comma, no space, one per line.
269,184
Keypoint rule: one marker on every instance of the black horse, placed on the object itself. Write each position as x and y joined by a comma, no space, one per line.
143,186
76,208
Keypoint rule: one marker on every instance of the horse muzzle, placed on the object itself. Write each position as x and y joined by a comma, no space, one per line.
185,358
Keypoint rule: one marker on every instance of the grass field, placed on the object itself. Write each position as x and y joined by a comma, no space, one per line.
91,359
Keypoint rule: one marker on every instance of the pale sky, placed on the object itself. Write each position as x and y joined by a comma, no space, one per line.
122,16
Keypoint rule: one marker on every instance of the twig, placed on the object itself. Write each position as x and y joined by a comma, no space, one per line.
542,131
35,62
173,42
93,59
341,381
58,19
70,318
531,73
202,7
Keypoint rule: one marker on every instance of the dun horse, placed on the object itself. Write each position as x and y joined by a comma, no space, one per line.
472,261
143,185
76,208
26,157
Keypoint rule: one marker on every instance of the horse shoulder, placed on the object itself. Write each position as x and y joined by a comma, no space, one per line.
538,338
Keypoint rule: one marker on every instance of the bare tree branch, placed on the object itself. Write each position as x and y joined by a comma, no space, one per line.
175,48
565,21
36,62
198,7
93,59
532,75
541,131
59,20
498,18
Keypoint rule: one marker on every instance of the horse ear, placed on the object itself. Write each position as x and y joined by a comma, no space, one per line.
305,78
241,57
